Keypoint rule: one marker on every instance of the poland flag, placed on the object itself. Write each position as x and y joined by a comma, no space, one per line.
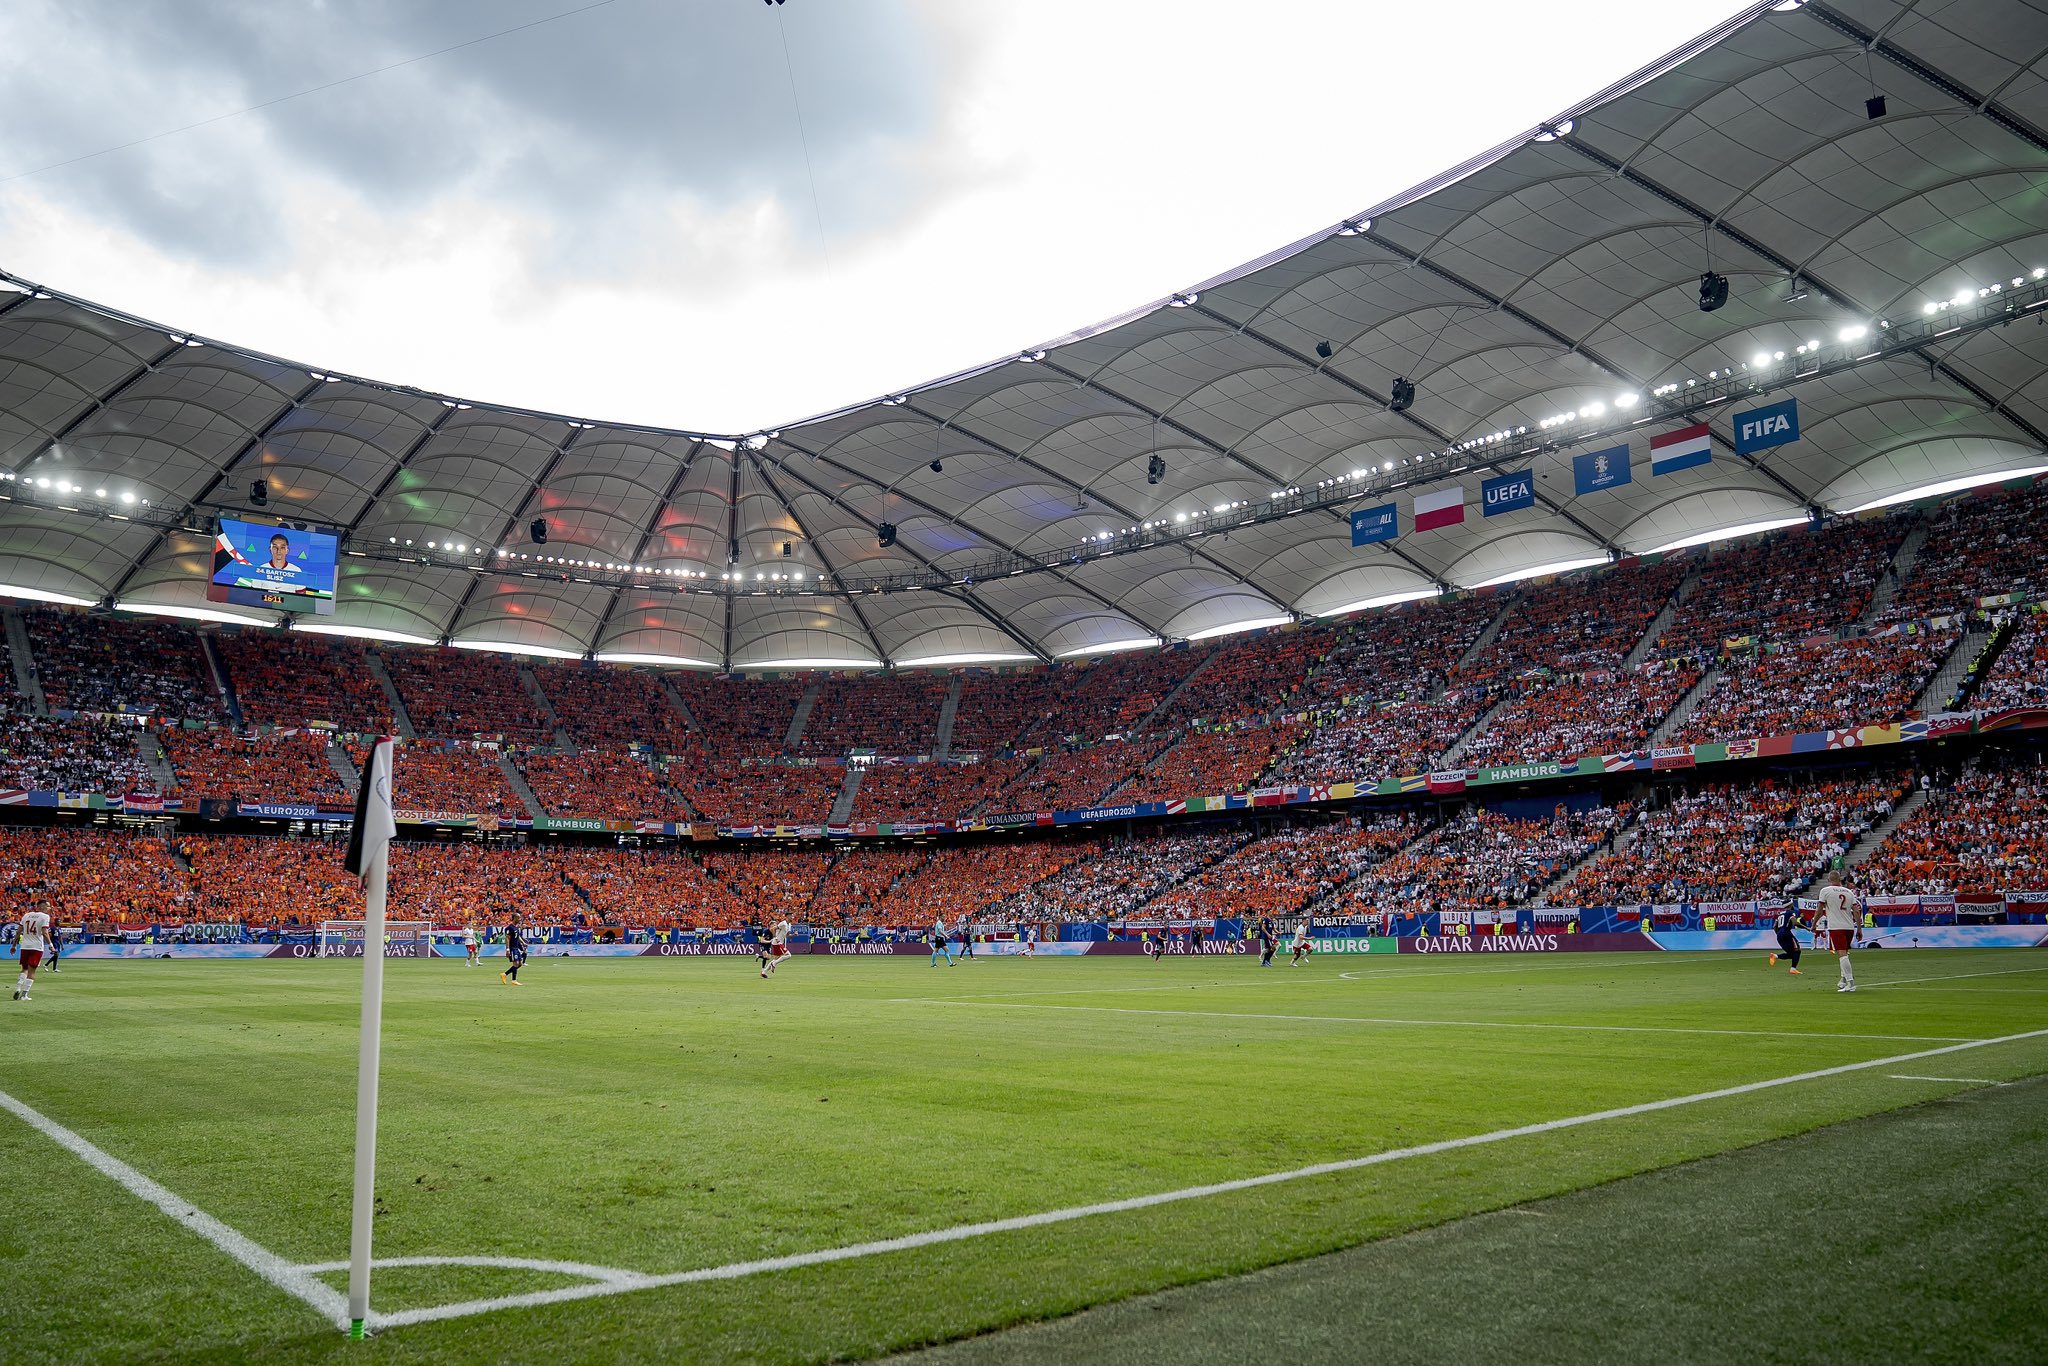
1445,507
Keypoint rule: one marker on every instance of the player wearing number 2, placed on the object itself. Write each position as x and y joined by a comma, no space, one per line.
1839,915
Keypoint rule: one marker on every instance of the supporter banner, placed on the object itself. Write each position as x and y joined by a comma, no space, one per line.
1672,756
410,817
1774,424
1452,780
1445,507
1937,726
296,811
1598,471
1374,524
1508,493
1544,942
145,802
2013,718
653,828
1622,763
1681,450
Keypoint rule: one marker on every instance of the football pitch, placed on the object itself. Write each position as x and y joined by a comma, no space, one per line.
666,1159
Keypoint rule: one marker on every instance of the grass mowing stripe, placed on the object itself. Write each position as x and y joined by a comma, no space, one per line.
963,1232
1454,1024
326,1301
1957,976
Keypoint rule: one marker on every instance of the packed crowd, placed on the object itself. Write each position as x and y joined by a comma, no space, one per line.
1484,860
466,695
889,715
291,678
1367,744
996,708
739,718
270,766
1724,842
85,877
596,782
1986,832
459,778
1587,622
1788,586
1569,717
717,787
80,755
109,664
1066,778
1251,676
1283,873
902,792
1864,680
2019,676
609,708
1118,876
1984,545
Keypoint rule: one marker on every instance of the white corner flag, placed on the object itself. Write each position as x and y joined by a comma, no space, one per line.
369,845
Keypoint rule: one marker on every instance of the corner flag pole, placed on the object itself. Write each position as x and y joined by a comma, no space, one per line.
368,858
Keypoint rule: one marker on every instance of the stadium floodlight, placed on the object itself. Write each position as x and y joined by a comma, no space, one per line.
539,531
1403,396
1155,469
1713,291
885,535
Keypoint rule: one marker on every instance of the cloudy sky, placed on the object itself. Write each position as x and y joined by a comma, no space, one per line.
723,215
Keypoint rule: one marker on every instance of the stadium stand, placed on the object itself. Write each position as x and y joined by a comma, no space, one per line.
80,755
1062,779
611,708
1281,873
1119,876
893,792
1983,545
291,678
1866,679
996,708
889,715
1726,841
1986,832
458,778
1579,624
92,877
718,786
1220,761
2019,676
1785,587
598,783
466,695
743,716
1569,717
1360,744
271,766
1248,677
1482,860
118,664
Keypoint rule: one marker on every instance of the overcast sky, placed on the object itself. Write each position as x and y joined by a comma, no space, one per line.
617,213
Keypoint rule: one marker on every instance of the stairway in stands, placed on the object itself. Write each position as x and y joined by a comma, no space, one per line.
400,718
1488,636
1675,719
1958,677
842,805
1333,900
1868,842
217,670
1458,747
1662,621
1552,893
675,699
563,743
24,661
1167,701
1888,585
517,782
942,745
802,717
150,750
344,768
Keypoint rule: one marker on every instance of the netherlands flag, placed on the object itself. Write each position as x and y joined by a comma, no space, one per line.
1680,450
1445,507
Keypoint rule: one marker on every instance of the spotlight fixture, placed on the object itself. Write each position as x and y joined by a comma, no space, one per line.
1873,108
937,466
1325,349
1796,291
259,492
1713,291
787,550
538,532
885,535
1404,396
1155,469
732,551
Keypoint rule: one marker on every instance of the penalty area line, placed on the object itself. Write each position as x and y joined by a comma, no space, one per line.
326,1301
964,1232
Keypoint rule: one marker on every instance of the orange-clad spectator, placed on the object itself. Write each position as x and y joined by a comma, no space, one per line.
292,678
606,707
455,694
598,783
272,766
1988,832
147,666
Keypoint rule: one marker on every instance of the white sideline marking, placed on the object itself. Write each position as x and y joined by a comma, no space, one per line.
963,1232
611,1275
1958,976
329,1303
1973,1081
298,1280
1455,1024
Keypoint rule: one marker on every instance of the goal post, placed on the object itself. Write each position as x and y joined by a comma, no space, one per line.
402,939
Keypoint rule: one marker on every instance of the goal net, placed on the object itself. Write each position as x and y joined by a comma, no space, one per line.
402,939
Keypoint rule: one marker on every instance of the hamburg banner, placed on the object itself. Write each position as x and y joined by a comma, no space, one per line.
1681,450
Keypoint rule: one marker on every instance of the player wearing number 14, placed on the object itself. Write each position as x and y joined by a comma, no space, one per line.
36,939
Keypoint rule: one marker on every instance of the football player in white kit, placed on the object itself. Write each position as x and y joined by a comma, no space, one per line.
1302,947
469,943
36,938
1838,913
778,947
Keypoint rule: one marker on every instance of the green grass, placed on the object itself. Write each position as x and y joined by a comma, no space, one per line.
664,1115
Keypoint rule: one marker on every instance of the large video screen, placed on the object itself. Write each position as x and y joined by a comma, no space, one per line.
275,567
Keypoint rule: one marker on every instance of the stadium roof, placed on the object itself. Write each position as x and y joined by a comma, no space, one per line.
1554,273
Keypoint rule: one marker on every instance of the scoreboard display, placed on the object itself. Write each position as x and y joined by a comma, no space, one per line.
279,568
